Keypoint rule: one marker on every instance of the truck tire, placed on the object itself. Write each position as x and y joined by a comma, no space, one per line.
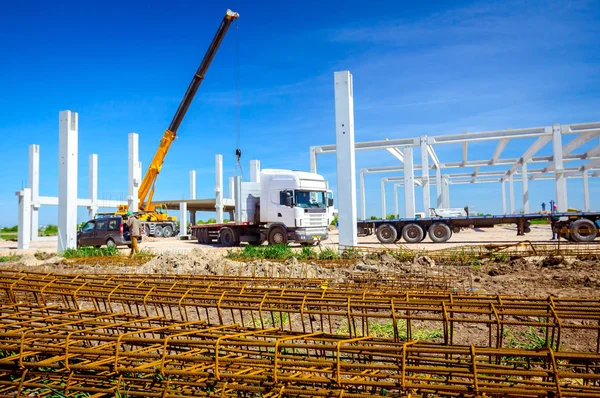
110,243
158,231
583,230
228,237
167,231
439,232
278,236
412,233
386,233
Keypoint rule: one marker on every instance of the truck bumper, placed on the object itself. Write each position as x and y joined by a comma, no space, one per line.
309,234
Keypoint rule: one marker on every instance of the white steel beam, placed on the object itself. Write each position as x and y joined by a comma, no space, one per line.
499,149
192,184
346,170
93,185
254,170
313,159
383,209
446,182
525,181
396,153
432,154
67,180
586,191
425,174
396,208
503,185
24,219
439,188
134,172
561,183
464,152
183,219
34,185
363,205
219,188
409,183
530,152
511,194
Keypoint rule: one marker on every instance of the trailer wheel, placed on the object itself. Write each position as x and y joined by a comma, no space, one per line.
412,233
583,230
228,237
277,236
439,232
167,231
158,231
386,233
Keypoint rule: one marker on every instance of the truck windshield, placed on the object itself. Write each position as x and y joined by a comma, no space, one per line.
310,199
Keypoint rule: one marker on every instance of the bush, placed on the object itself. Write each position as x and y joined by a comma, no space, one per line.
9,258
11,229
52,230
88,251
335,220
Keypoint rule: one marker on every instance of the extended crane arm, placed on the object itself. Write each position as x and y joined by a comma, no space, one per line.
146,190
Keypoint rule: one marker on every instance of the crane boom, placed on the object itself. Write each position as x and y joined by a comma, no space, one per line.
147,186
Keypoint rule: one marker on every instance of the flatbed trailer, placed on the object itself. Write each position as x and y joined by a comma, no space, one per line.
577,227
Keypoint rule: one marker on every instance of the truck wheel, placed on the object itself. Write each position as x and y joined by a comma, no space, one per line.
228,237
110,243
145,230
158,231
412,233
386,233
167,231
439,232
278,236
583,230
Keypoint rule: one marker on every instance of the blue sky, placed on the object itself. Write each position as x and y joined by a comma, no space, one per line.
430,68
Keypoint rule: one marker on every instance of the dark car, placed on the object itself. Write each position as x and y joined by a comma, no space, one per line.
109,231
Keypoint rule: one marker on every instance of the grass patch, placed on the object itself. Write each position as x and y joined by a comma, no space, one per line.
88,251
40,255
385,329
284,252
540,221
9,258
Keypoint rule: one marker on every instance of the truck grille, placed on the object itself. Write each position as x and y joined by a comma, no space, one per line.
315,220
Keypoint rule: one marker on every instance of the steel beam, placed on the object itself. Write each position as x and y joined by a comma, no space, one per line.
409,183
363,204
503,185
425,174
24,220
586,191
67,180
524,180
511,194
439,189
499,149
561,183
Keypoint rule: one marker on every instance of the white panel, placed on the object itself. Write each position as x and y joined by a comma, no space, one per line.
67,180
346,171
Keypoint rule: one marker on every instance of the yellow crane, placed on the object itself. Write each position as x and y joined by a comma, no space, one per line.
147,211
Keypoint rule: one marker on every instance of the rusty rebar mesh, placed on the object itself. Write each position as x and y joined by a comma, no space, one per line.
84,344
482,320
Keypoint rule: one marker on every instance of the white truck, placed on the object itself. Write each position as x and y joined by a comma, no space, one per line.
284,206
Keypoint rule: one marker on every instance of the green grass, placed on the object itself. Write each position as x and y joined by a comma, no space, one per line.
9,258
530,339
88,251
281,252
385,329
540,221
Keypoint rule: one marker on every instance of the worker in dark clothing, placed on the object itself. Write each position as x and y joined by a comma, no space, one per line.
134,231
552,222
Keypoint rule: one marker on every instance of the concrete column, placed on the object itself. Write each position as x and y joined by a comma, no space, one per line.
559,172
24,219
183,219
383,209
93,185
511,194
134,172
313,160
363,204
237,194
67,180
219,188
396,208
586,191
525,184
425,175
439,187
503,185
231,189
409,183
346,170
446,199
192,195
254,170
34,185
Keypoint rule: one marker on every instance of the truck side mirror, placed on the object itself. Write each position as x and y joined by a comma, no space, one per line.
330,202
289,201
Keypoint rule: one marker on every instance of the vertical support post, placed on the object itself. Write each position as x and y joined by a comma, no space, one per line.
503,185
409,183
559,172
425,175
134,172
192,195
34,185
67,180
219,188
511,194
183,220
93,185
586,190
363,204
383,209
524,181
446,199
254,170
24,219
346,170
313,159
231,189
237,189
396,208
439,188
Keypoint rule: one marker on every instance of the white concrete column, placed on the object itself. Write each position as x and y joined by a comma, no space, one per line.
446,199
219,188
67,180
24,219
503,185
183,219
409,183
525,181
192,184
586,191
346,170
383,209
237,194
396,208
313,160
363,204
559,172
511,194
425,175
34,185
439,187
254,170
231,188
93,185
134,172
